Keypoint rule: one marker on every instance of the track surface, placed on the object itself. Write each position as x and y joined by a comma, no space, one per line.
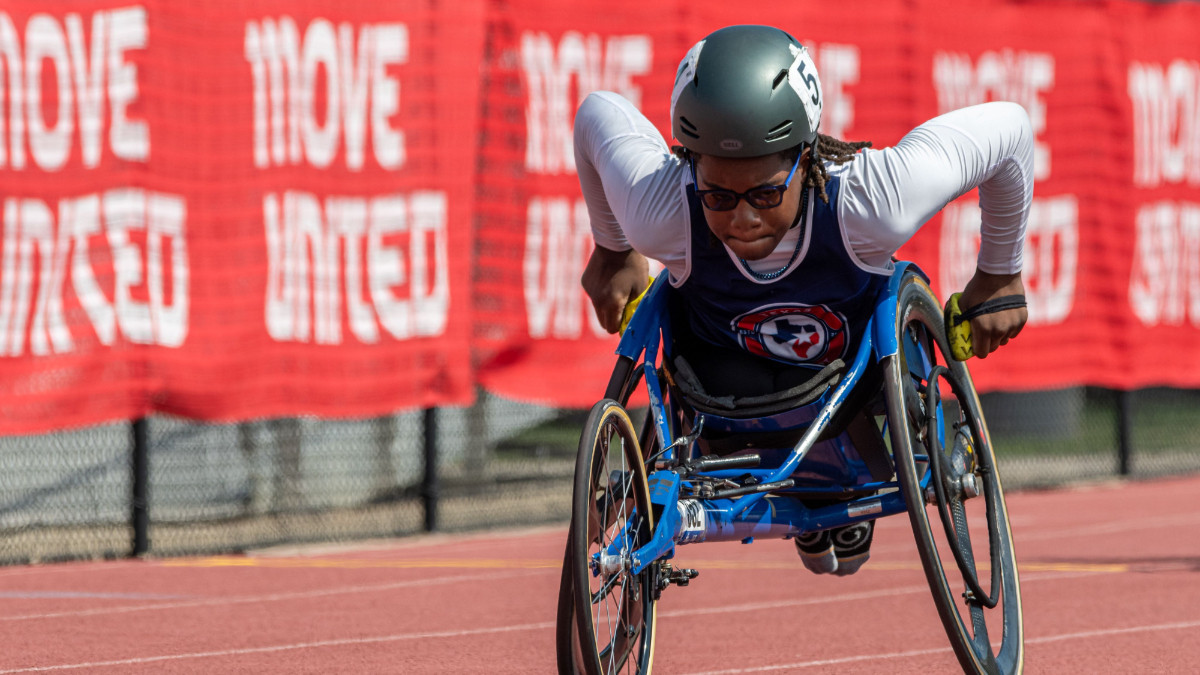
1110,578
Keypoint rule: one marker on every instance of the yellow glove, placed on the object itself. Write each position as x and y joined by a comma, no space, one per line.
958,322
631,306
958,332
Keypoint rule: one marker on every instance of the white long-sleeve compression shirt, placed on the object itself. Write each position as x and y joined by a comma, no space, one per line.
634,186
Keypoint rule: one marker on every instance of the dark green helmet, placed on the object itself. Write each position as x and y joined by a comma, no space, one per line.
746,91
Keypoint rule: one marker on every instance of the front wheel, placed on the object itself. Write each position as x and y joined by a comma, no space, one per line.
611,517
948,475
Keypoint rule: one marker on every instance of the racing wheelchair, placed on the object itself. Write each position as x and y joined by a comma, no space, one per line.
897,429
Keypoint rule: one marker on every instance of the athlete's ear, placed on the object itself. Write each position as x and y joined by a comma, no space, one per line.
805,156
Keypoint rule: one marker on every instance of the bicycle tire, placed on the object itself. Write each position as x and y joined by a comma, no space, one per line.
614,608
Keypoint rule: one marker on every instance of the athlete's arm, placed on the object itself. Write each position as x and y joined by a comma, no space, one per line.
631,184
888,194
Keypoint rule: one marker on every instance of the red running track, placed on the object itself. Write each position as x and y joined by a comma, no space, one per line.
1110,581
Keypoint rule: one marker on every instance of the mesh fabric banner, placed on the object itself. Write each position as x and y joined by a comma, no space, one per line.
232,210
237,210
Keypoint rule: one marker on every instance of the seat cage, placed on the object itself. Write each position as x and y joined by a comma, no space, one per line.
797,492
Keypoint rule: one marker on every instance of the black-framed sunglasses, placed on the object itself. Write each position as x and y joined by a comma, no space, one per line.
764,197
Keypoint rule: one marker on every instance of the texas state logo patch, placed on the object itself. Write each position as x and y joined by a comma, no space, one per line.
794,333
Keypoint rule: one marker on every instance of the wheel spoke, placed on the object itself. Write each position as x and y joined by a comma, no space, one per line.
602,593
618,651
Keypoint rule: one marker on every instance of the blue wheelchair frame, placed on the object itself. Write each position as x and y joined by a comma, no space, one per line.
771,506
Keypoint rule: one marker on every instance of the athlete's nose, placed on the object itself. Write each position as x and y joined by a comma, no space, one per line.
745,217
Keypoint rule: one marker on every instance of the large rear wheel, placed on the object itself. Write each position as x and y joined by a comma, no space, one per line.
948,475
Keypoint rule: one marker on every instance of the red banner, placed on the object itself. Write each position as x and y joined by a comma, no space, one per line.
235,210
1112,260
537,338
1077,225
227,211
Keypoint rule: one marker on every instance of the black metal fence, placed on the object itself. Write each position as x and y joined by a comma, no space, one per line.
164,486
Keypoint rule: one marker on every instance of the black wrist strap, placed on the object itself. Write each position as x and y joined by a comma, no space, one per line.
992,306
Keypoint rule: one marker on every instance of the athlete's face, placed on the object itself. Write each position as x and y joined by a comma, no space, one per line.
749,232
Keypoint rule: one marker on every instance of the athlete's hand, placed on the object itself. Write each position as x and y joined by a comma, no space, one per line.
990,331
611,279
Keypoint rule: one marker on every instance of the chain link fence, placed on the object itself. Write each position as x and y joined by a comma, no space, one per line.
230,487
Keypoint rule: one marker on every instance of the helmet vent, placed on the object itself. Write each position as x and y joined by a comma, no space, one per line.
779,79
782,129
687,127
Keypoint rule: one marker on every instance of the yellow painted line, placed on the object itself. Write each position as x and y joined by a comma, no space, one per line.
503,563
882,565
1075,567
350,563
779,565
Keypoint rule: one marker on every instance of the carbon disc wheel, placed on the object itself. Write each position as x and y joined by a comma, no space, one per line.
948,475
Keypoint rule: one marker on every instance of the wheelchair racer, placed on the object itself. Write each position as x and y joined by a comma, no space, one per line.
776,237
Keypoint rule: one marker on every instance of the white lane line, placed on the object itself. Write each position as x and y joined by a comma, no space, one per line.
545,625
1083,635
829,662
300,595
1132,525
1024,534
779,604
1103,632
749,607
277,597
851,597
283,648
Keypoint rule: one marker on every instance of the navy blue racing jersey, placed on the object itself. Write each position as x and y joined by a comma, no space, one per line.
810,315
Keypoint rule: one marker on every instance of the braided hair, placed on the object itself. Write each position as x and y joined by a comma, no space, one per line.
829,149
824,149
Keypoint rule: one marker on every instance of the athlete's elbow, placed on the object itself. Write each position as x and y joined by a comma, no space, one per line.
1017,117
